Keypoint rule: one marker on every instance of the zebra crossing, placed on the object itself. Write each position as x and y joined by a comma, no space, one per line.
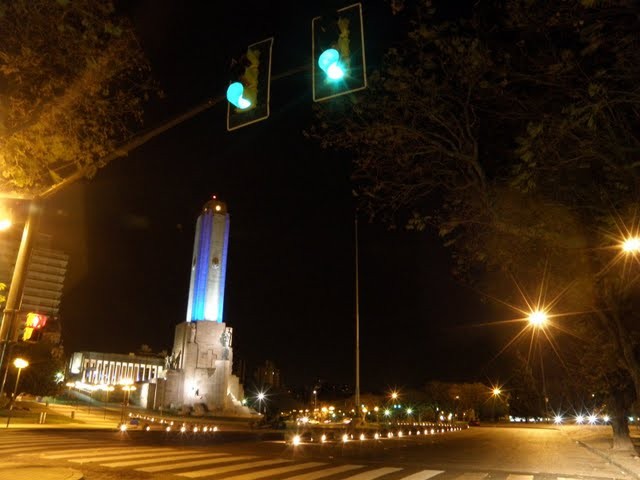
195,463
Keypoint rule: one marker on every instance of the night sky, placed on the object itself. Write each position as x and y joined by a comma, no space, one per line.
290,285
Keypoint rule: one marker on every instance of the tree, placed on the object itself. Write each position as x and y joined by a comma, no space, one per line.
513,133
73,80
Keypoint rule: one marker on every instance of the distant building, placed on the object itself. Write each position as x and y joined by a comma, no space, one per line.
44,280
96,368
268,375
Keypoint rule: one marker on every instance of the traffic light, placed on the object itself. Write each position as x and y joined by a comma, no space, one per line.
249,92
31,329
337,52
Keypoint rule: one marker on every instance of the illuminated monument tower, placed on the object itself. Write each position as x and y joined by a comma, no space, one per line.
199,373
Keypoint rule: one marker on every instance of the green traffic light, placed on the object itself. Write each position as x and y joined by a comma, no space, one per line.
235,93
329,62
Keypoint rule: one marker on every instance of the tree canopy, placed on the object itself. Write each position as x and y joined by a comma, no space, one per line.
73,80
514,133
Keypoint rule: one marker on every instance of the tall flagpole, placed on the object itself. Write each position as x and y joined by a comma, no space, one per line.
357,396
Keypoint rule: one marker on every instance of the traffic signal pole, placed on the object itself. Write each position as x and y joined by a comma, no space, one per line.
16,287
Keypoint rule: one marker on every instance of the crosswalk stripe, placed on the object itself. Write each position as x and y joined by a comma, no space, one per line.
178,456
276,471
230,468
371,474
81,452
195,463
327,472
52,444
158,452
14,440
97,452
473,476
84,450
423,475
515,476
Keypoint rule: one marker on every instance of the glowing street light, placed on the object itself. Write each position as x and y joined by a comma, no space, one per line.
537,318
261,397
496,391
127,388
19,363
631,245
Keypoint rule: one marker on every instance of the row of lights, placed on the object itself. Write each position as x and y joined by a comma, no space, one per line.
347,437
582,419
170,425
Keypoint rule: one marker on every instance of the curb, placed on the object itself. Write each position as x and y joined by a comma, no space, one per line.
603,455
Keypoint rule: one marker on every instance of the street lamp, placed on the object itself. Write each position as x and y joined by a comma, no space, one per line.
127,388
315,399
631,245
19,363
537,318
5,218
495,393
261,397
107,388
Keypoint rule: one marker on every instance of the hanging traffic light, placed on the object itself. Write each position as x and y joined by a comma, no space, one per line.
337,51
249,93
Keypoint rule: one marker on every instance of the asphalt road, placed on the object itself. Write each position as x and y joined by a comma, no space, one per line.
475,454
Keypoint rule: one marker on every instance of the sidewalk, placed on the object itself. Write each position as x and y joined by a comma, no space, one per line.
598,439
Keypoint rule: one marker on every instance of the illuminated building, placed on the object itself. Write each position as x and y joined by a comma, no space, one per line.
44,281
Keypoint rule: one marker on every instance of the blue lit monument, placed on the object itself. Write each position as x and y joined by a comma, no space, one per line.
199,372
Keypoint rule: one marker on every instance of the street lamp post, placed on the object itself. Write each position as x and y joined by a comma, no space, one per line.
108,388
260,400
19,363
127,389
496,393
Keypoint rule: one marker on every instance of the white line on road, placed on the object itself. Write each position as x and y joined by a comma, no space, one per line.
230,468
177,456
423,475
195,463
80,452
473,476
275,471
514,476
158,452
370,475
327,472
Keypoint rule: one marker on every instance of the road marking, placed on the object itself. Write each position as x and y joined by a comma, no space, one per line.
515,476
195,463
275,471
93,451
325,473
26,449
473,476
423,475
177,456
370,475
159,452
230,468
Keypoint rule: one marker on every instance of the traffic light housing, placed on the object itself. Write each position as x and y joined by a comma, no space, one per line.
30,330
338,62
249,92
